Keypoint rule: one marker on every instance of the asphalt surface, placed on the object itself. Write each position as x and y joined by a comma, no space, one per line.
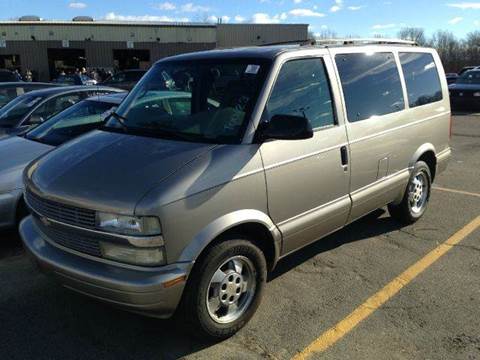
436,316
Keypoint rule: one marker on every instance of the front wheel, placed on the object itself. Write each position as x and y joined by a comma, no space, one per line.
225,288
416,197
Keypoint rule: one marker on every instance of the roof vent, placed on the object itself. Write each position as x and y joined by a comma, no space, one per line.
29,18
82,18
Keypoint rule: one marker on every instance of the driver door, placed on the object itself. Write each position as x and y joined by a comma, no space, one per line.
307,180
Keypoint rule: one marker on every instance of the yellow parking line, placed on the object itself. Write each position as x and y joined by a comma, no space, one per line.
334,334
456,191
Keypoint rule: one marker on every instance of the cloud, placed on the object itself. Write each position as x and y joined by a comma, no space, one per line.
191,7
215,19
455,20
355,8
337,7
297,1
305,13
383,26
117,17
465,5
168,6
77,5
263,18
239,19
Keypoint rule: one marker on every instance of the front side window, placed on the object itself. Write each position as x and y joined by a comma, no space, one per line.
202,101
371,84
78,119
302,89
421,77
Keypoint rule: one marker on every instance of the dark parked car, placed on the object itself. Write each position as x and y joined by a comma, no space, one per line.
125,79
466,68
451,78
9,76
77,120
33,108
465,93
10,90
75,79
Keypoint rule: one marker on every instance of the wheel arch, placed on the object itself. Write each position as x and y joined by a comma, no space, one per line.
426,153
254,224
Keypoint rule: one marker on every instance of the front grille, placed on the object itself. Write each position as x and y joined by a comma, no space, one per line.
71,238
60,212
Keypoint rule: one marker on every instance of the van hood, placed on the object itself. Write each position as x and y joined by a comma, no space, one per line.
17,152
108,171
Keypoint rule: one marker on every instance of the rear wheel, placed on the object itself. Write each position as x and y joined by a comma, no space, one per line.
416,197
225,288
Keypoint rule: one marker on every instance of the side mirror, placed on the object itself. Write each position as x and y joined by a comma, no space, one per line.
287,127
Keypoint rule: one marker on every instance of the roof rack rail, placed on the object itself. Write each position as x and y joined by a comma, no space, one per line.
303,42
365,41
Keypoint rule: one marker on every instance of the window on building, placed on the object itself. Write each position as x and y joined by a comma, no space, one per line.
421,77
302,89
371,84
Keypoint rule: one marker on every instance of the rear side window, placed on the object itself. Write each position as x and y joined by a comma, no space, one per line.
302,89
421,77
371,84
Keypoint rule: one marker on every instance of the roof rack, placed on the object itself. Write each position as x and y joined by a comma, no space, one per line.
344,42
365,41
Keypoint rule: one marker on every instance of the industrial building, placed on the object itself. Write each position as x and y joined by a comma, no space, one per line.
44,47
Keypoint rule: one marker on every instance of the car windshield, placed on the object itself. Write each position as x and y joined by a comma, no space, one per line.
470,77
80,118
201,101
12,113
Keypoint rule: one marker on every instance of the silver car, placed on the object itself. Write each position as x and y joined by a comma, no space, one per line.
18,151
188,201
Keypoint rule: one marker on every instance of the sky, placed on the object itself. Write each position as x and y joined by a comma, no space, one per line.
363,18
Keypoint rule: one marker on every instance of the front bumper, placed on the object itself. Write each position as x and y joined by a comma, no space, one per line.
132,288
8,208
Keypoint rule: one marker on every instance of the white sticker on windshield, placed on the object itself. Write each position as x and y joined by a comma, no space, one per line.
252,69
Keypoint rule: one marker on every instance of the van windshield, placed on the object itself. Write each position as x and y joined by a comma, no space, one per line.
201,101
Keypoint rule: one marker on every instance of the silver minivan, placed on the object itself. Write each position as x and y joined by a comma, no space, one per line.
220,163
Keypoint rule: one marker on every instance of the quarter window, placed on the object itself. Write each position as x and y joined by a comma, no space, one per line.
302,89
421,77
371,84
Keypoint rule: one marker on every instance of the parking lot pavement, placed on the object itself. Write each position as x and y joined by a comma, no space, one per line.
435,316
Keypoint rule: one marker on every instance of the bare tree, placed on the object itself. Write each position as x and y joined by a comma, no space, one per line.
413,34
325,34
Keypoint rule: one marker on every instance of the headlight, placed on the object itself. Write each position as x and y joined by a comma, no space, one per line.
476,94
132,255
129,225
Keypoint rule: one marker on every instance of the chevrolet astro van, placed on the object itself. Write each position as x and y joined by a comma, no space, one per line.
220,163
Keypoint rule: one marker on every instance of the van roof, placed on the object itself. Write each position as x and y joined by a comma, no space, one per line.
269,52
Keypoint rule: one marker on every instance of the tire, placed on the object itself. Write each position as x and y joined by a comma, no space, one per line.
417,194
213,278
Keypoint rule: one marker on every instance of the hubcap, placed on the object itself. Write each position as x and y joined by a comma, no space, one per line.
418,192
231,289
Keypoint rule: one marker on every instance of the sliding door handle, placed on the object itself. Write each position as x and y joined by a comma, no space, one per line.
344,157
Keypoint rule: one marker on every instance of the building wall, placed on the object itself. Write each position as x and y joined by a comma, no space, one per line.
31,40
230,35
